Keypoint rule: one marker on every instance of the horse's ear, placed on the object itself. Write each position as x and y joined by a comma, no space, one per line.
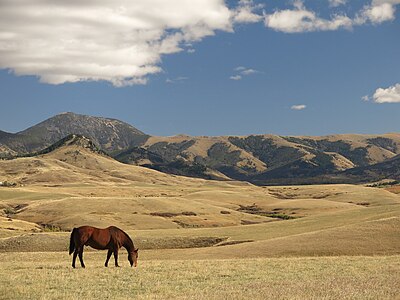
136,250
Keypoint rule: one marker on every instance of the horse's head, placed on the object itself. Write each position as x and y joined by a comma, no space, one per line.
133,257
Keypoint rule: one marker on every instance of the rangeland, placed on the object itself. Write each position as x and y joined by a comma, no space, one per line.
198,238
46,275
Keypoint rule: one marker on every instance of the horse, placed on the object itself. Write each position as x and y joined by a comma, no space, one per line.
111,238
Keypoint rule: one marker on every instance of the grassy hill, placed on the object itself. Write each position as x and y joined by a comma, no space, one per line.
216,239
74,184
265,159
260,159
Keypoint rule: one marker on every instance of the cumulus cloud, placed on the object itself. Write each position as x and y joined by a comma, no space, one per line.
123,41
301,19
298,107
376,13
246,12
388,95
120,41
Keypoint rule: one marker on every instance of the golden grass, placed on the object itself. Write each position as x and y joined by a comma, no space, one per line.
197,244
394,189
73,186
367,231
49,276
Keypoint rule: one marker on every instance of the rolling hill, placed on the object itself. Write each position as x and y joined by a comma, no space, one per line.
260,159
74,182
269,159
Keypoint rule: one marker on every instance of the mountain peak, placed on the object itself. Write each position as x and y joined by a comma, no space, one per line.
110,134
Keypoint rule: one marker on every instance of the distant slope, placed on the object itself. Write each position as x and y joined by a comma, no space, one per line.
388,169
4,134
265,159
260,159
109,134
79,185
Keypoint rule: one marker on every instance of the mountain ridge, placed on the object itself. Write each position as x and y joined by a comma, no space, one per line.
261,159
110,134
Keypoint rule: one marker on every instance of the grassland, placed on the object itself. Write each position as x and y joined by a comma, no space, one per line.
199,239
48,276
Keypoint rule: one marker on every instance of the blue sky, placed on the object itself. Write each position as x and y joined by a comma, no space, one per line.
244,70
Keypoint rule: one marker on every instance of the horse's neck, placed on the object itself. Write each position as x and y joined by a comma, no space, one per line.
128,244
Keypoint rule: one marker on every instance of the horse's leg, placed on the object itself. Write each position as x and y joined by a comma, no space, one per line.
116,257
74,257
108,257
81,257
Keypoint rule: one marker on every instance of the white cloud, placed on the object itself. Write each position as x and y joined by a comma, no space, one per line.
376,13
191,50
245,12
243,71
298,107
388,95
365,98
249,71
300,19
176,80
336,3
123,41
120,41
235,77
240,68
380,11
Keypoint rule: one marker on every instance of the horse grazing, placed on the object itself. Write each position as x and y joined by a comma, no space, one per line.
111,238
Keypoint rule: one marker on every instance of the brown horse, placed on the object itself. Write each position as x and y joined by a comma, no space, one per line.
111,238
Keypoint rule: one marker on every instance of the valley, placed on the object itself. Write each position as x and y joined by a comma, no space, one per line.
185,226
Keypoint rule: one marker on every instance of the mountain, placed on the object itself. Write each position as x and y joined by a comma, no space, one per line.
266,159
4,134
260,159
388,169
109,134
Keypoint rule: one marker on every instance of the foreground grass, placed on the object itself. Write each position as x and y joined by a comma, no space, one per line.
49,276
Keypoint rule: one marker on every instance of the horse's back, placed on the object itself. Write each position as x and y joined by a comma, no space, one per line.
100,238
114,229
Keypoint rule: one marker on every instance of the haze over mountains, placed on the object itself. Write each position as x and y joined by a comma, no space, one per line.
260,159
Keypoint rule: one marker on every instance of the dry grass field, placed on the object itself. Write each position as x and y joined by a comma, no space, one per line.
199,239
47,276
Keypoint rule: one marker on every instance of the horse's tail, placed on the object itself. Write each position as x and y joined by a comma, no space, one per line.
72,242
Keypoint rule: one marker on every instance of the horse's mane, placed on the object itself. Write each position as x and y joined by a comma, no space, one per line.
129,239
